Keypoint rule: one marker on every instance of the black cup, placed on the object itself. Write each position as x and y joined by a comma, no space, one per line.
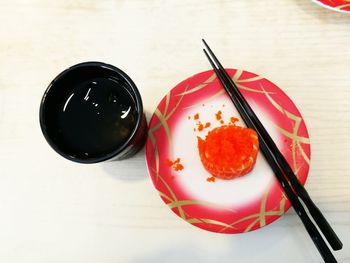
92,112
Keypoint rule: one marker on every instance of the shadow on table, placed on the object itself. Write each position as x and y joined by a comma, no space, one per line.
286,232
131,169
267,242
323,14
175,254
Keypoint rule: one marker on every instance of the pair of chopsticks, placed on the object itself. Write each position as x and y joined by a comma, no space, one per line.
293,189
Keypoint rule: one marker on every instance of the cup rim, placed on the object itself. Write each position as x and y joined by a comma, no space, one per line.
111,155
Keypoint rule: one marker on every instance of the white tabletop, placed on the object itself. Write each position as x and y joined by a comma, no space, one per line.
54,210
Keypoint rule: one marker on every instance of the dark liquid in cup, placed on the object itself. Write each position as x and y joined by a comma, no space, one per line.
96,117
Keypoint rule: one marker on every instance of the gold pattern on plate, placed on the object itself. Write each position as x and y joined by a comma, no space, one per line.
165,125
198,202
168,115
303,154
198,87
251,225
255,216
167,100
279,107
296,140
237,75
294,135
296,172
340,7
165,196
173,201
237,81
178,204
213,97
163,122
156,153
250,79
240,86
283,202
209,221
263,207
181,211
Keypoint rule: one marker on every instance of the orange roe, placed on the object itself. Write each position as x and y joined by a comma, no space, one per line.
229,151
176,165
218,115
200,126
221,121
169,163
196,116
211,179
233,120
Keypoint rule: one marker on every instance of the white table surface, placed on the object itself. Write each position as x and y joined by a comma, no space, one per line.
53,210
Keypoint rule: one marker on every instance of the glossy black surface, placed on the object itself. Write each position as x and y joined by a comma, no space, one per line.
93,112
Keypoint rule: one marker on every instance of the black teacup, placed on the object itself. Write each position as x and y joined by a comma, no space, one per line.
93,112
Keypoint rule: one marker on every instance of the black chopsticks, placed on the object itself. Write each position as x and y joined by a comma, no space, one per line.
284,174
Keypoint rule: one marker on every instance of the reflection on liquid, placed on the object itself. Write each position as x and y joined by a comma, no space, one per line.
125,113
98,115
66,104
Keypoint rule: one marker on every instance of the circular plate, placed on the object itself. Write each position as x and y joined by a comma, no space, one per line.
224,206
336,5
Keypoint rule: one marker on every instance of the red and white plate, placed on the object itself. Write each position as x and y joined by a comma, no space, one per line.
336,5
224,206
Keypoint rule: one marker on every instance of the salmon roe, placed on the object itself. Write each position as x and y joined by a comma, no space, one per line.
229,151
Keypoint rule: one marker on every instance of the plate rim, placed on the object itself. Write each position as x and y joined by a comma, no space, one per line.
287,205
318,2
